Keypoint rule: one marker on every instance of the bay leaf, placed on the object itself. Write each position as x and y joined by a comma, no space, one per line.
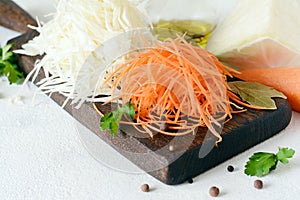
256,94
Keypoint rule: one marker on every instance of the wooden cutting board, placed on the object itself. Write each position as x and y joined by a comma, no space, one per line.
188,158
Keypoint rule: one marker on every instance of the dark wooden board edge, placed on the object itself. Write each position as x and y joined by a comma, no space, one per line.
257,127
14,17
237,141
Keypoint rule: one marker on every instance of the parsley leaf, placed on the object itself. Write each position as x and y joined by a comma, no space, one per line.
112,120
8,65
262,163
284,153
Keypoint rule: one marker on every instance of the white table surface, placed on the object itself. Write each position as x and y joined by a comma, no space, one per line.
42,156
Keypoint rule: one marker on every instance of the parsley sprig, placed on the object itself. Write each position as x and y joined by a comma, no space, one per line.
112,120
262,163
8,65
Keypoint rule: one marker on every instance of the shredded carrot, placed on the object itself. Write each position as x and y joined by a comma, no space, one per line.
175,87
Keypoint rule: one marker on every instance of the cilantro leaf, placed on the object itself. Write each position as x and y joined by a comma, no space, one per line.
256,94
284,153
262,163
8,65
112,120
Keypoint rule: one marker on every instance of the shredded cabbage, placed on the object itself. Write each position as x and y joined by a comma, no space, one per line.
77,28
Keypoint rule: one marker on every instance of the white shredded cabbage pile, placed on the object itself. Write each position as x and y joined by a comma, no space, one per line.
77,28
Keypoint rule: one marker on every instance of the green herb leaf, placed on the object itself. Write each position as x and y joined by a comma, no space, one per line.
128,109
8,65
284,153
262,163
256,94
105,121
12,73
112,120
114,127
6,54
2,66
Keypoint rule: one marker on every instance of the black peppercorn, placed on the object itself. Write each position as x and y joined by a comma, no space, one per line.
230,168
190,181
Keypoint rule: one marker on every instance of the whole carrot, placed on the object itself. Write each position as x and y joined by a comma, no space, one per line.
284,79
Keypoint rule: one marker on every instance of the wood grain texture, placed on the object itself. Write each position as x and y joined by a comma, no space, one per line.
14,17
153,155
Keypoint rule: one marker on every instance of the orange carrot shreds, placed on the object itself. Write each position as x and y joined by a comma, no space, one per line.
174,83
